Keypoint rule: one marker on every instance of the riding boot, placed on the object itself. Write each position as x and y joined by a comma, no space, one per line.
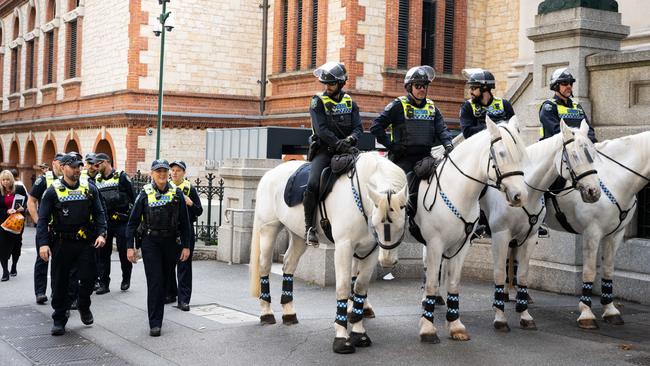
413,182
542,231
309,203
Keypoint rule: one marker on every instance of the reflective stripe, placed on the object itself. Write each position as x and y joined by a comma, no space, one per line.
157,199
337,108
65,194
185,186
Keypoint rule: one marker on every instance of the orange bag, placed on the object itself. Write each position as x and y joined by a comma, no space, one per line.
15,223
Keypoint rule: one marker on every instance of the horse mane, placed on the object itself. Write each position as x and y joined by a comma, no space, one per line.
385,176
515,143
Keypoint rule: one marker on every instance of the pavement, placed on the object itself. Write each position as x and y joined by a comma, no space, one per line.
223,327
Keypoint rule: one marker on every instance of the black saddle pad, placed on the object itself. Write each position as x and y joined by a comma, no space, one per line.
297,184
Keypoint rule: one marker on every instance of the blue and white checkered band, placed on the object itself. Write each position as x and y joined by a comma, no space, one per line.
264,281
265,295
107,184
357,311
422,114
359,299
588,285
431,301
449,205
73,196
585,299
523,290
572,113
608,284
428,314
342,304
163,200
452,298
342,318
498,303
609,296
357,197
287,293
287,278
522,301
341,108
607,192
452,311
499,290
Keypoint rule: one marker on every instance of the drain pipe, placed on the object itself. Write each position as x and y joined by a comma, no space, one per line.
262,81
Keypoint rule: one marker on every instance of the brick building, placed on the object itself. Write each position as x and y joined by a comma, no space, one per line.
83,74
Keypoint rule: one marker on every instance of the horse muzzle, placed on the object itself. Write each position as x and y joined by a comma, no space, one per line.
589,193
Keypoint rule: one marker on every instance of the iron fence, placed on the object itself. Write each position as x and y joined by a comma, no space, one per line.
206,231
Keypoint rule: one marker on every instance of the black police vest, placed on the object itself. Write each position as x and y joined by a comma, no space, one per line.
572,116
116,199
73,209
161,213
339,114
495,110
419,128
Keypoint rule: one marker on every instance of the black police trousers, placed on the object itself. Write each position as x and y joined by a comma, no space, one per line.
117,230
159,255
66,255
184,270
40,278
407,162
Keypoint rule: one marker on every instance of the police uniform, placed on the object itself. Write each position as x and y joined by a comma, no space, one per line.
160,216
555,109
184,269
117,192
472,115
416,127
77,218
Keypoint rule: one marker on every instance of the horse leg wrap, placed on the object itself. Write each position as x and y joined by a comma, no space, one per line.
265,293
587,287
429,306
607,292
499,297
357,308
522,299
452,307
354,280
342,313
287,289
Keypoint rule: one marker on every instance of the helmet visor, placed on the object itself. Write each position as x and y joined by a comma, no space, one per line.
420,74
330,72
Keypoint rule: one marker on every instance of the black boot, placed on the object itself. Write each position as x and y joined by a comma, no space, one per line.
13,271
542,231
309,203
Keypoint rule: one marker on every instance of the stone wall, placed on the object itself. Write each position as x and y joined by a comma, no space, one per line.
176,144
373,29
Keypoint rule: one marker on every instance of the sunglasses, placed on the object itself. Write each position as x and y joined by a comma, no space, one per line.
474,87
420,86
566,83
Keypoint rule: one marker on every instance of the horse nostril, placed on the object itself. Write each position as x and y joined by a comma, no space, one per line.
517,197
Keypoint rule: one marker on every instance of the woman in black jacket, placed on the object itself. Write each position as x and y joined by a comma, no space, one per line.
8,191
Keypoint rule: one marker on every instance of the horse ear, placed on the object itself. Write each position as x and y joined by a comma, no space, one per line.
402,195
584,127
492,127
514,122
567,133
374,196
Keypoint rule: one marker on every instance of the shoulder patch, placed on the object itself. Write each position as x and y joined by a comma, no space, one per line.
314,103
548,107
38,180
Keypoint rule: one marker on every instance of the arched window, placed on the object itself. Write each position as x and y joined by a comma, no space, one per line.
15,60
30,66
2,62
51,10
50,47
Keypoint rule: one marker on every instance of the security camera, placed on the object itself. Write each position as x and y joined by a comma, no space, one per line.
149,131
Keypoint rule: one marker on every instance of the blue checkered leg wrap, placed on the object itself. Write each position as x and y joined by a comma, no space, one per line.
499,297
587,288
606,292
287,289
342,313
522,299
265,293
429,307
357,308
452,307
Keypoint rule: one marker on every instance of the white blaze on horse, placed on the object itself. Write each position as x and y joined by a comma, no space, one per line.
623,170
448,209
566,154
366,208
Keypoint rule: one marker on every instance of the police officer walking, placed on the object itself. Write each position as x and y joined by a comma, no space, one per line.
78,224
41,184
159,216
482,103
562,107
194,208
336,126
416,123
117,193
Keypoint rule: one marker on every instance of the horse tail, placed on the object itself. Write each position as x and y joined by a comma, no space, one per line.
254,263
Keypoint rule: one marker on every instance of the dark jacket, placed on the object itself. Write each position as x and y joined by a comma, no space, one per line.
550,119
328,134
471,123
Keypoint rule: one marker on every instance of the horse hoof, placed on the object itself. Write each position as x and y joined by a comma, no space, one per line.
368,313
587,324
527,324
614,319
459,336
502,327
429,338
360,339
289,319
267,319
342,345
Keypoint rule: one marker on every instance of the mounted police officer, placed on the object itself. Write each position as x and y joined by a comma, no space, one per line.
73,207
117,193
194,209
160,220
416,123
562,107
41,184
336,126
482,103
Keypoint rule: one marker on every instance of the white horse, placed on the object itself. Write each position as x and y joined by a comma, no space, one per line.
624,170
448,210
566,154
365,209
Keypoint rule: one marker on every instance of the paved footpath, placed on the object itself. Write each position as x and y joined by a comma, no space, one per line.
222,327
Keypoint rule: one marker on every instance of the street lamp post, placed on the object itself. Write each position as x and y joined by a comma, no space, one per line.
159,31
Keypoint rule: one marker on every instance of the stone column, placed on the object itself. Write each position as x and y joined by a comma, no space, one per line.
241,177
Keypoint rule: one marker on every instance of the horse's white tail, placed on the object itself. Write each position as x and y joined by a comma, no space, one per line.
254,263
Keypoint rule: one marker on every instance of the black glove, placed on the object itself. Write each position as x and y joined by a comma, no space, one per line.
448,148
342,146
397,149
351,140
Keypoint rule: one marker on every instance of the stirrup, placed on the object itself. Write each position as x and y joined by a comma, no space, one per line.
311,238
542,232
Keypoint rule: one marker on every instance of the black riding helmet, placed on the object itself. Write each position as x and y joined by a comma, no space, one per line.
481,78
332,73
561,75
419,75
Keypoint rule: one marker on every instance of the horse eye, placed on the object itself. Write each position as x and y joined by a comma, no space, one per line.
391,209
401,207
